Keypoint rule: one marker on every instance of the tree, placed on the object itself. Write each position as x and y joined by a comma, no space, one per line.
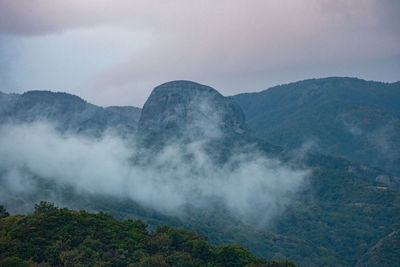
3,212
44,207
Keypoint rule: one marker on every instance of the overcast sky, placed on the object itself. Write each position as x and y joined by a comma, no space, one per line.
114,52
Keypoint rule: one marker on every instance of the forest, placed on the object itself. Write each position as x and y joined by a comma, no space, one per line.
54,236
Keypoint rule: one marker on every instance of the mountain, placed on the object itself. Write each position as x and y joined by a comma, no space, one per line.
68,112
346,117
386,252
277,202
175,105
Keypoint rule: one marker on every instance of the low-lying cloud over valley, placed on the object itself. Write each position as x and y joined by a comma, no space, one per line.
178,176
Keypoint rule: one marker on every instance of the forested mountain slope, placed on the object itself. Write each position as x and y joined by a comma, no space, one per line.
67,112
386,252
347,117
218,180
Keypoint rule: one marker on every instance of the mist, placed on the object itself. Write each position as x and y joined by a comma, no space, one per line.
249,185
383,138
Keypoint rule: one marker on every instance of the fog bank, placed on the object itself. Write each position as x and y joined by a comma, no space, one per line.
179,176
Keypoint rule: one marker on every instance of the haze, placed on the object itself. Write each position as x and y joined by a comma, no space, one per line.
178,176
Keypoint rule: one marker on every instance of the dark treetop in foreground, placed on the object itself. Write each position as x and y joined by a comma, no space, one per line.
62,237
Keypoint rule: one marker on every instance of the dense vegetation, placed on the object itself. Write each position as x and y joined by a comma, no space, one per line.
338,218
386,252
62,237
347,213
68,112
346,117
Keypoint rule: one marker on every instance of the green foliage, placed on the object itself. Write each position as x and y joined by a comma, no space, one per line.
342,215
14,262
62,237
339,215
3,212
386,252
347,117
44,207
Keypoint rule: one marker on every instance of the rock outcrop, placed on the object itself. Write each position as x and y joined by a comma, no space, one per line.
184,106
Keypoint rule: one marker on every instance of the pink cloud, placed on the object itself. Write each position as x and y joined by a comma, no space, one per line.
245,42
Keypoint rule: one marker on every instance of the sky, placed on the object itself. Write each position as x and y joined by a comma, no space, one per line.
114,52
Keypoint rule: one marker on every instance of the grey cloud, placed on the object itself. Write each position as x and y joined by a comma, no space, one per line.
251,47
248,184
353,128
33,17
232,45
384,139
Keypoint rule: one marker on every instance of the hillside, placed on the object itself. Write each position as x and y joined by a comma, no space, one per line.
346,117
386,252
68,112
61,237
235,188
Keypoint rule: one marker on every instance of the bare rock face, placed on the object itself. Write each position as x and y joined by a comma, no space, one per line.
189,107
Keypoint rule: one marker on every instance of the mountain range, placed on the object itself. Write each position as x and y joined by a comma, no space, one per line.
305,171
67,112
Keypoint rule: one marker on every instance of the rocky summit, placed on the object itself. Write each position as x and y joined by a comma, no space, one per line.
182,106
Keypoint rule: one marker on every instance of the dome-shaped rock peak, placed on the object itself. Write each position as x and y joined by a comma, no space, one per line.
179,106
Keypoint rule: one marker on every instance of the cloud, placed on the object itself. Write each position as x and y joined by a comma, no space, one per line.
385,139
353,128
7,57
180,175
44,16
232,45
